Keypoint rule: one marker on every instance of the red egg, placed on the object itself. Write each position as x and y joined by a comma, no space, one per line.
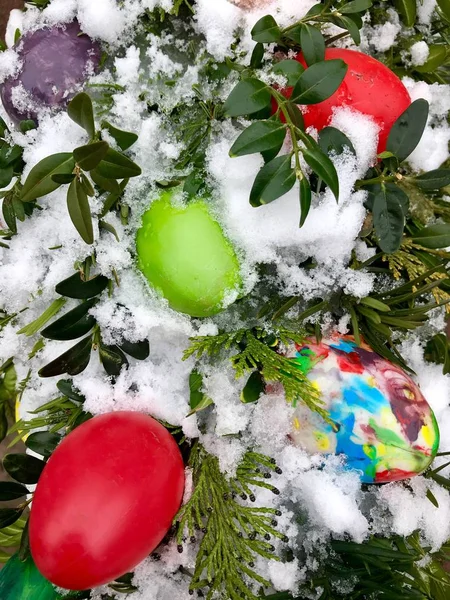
368,87
105,500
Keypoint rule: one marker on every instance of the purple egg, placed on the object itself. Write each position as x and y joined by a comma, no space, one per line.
55,63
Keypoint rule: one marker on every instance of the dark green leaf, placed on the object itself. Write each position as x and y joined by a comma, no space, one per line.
27,125
87,157
73,324
444,6
431,497
290,68
394,192
355,6
65,386
253,389
266,30
433,180
138,350
296,115
275,179
117,166
75,287
388,220
331,140
24,548
19,208
10,490
438,350
434,237
10,155
436,58
408,129
23,467
39,182
313,44
43,442
72,362
3,128
305,200
109,185
257,56
6,174
124,139
197,400
3,423
348,23
81,111
8,516
323,167
249,96
79,211
108,227
63,178
112,359
319,82
9,214
407,9
87,185
258,137
22,581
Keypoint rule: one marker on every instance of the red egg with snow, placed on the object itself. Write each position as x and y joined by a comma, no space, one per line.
368,87
105,500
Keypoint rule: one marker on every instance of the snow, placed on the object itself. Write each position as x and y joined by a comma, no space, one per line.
149,70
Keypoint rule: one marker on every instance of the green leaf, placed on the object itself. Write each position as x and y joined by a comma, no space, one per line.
27,125
23,467
63,178
323,167
43,442
73,361
108,227
388,220
319,82
87,157
39,182
112,359
109,185
38,323
138,350
8,516
87,185
437,56
197,399
124,139
275,179
433,180
81,111
117,166
408,130
253,389
75,287
249,96
407,9
355,6
313,44
266,30
9,214
10,490
296,115
65,386
73,324
349,24
22,581
305,200
290,68
24,548
433,237
79,211
257,56
258,137
444,6
331,140
6,175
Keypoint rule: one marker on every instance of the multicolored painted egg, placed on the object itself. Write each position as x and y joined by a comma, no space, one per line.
380,420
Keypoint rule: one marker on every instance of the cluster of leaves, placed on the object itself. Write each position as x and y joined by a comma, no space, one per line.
257,354
105,166
234,533
8,381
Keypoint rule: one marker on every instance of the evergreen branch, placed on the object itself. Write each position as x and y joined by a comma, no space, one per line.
234,534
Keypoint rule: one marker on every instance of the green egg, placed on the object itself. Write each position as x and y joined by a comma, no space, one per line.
185,256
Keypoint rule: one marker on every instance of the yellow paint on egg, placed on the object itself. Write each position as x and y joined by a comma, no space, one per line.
297,423
323,442
428,435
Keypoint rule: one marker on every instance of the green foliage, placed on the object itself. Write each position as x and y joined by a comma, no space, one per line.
21,580
234,533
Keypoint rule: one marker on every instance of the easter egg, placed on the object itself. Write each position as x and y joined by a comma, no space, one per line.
380,420
105,499
55,63
368,87
185,256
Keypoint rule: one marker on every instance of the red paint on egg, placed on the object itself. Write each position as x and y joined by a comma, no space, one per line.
105,500
368,87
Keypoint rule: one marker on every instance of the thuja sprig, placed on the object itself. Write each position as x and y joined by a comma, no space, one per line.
104,164
234,534
256,352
